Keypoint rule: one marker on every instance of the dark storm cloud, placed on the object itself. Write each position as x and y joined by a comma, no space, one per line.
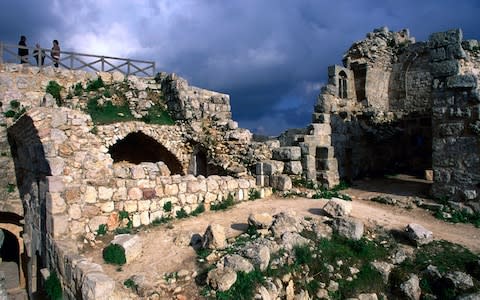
270,56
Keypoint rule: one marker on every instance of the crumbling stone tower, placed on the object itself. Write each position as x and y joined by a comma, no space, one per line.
397,105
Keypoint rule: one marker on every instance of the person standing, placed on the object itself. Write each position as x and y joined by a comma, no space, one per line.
23,52
55,53
39,55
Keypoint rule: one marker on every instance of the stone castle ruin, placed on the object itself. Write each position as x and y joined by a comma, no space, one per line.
395,105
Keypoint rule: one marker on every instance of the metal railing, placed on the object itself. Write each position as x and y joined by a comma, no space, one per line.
76,61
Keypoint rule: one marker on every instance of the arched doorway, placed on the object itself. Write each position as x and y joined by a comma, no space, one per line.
138,147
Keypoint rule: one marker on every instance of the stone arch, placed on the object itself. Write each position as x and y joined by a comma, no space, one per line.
13,259
342,85
138,147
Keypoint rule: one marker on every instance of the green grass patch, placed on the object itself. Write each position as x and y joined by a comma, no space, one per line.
162,220
108,113
459,217
244,287
157,115
368,280
114,254
78,89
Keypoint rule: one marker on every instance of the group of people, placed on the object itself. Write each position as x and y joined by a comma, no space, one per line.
38,53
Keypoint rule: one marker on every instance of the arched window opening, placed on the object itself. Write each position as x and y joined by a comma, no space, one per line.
342,85
138,147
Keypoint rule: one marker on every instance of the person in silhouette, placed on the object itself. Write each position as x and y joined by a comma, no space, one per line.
55,53
23,52
39,55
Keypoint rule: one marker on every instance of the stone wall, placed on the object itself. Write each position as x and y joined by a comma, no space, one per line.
64,176
456,117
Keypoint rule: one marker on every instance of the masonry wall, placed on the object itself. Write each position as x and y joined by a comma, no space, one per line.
456,117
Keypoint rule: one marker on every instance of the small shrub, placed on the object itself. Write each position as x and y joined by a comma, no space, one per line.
123,215
53,88
156,115
78,89
114,254
10,188
94,85
162,220
181,214
200,209
303,255
94,129
130,284
167,206
108,113
228,202
253,194
53,287
102,229
252,230
107,93
14,104
9,114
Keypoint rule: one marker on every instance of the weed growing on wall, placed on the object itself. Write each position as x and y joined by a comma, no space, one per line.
94,85
10,188
157,115
114,254
102,229
253,194
226,203
53,287
167,206
54,89
107,113
200,209
181,214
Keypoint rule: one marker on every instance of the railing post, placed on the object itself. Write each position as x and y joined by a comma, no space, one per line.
153,69
128,67
71,61
103,64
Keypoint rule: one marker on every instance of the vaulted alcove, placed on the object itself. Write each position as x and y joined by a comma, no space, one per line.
138,147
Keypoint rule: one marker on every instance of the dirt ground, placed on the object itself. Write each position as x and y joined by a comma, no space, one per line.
162,252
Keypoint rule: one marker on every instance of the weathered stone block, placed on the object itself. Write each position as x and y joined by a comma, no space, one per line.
442,39
337,208
287,153
131,243
269,167
418,234
293,168
105,193
281,182
55,203
214,237
462,81
349,228
444,68
97,286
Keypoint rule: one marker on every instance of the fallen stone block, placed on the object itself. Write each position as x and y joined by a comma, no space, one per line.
221,279
349,228
214,237
418,234
97,286
337,208
237,263
260,221
131,243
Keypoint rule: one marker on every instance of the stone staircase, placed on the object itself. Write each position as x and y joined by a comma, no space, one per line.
318,157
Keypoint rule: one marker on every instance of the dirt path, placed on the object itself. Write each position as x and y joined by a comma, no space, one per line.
163,251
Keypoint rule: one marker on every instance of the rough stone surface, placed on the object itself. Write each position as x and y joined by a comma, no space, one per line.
418,234
214,237
237,263
337,208
221,279
260,220
350,228
285,222
131,243
411,288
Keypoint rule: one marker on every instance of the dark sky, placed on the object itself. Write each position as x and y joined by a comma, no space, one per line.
271,56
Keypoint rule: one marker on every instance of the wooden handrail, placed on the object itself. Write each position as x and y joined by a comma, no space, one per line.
105,63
